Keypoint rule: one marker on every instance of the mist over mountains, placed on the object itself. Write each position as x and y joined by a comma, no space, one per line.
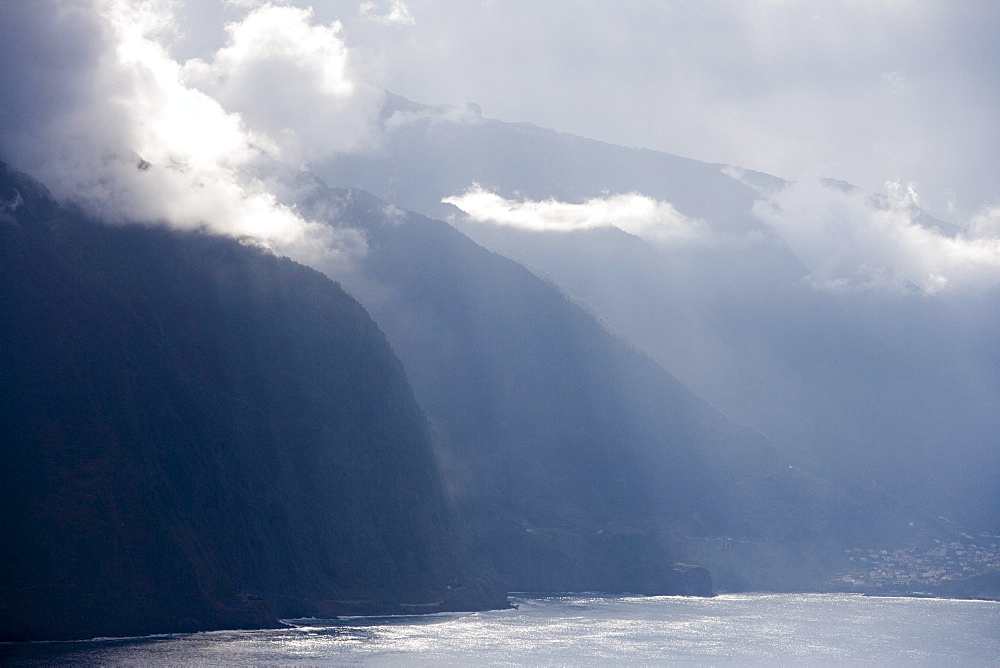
571,453
281,343
871,358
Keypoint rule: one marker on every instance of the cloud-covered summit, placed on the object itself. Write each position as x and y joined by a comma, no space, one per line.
108,118
847,240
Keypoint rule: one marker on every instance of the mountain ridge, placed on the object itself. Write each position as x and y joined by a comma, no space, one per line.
200,435
530,392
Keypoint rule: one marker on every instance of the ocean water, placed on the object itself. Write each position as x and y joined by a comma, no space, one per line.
743,629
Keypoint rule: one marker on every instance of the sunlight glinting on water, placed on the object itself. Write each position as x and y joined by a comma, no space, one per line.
744,629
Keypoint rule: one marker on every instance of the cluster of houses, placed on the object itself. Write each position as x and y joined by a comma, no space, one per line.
912,569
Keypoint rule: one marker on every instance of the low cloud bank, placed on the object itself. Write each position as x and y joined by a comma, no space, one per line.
849,241
97,109
631,212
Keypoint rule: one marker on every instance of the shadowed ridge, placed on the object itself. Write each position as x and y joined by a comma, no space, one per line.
199,435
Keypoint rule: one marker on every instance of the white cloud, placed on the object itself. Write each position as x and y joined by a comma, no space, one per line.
396,14
848,241
631,212
862,91
291,80
986,223
127,104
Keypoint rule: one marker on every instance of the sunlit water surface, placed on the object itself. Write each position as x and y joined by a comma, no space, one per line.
581,630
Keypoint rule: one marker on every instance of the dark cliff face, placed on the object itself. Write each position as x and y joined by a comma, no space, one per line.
199,435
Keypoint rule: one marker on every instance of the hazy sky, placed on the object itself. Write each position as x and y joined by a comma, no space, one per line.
901,91
866,91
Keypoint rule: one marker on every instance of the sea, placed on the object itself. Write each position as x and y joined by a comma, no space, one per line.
582,630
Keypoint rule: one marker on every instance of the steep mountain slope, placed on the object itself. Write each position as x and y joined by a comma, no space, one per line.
579,463
199,435
894,392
